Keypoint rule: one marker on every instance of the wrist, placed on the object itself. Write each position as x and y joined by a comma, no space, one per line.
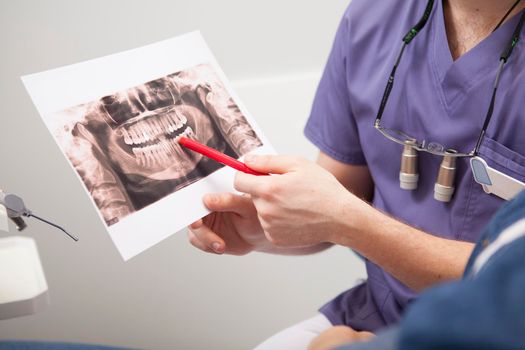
352,220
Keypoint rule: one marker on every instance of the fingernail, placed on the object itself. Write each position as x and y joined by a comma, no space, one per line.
195,224
216,246
210,198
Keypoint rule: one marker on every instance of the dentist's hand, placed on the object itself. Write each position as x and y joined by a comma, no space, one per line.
231,228
301,205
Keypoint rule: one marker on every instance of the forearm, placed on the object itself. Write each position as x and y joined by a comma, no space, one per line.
272,249
416,258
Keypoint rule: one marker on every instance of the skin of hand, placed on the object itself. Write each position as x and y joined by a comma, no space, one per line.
338,336
300,192
232,227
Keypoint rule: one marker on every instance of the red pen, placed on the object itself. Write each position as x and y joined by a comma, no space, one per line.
217,156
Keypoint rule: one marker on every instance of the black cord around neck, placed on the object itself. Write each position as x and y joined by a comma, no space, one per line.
506,15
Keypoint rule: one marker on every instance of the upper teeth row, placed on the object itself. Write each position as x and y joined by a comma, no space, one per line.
163,153
149,129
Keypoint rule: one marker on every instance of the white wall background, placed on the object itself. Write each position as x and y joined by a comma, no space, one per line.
171,296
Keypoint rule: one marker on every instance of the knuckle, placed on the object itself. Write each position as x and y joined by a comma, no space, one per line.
212,201
227,199
205,238
237,182
267,212
273,188
270,189
275,240
266,218
194,241
270,238
198,236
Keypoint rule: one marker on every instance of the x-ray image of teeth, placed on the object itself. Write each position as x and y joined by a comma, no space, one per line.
124,145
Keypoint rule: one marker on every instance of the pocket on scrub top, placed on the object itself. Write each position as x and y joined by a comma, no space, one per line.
502,158
482,206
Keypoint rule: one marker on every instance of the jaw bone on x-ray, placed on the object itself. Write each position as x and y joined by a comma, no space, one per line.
124,145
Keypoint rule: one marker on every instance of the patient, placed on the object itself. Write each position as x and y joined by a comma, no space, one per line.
485,310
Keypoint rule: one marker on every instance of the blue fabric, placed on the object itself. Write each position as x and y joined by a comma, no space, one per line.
40,345
485,311
434,98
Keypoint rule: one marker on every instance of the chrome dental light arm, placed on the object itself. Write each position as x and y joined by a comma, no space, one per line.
16,210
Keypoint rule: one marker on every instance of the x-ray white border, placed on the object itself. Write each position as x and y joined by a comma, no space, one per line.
4,227
57,89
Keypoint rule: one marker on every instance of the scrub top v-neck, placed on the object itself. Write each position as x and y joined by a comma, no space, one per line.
434,98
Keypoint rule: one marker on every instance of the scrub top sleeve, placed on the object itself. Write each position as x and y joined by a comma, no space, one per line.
331,126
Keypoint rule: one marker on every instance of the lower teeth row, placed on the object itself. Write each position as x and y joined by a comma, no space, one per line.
163,153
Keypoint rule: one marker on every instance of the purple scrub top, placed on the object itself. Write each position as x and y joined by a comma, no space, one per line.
434,98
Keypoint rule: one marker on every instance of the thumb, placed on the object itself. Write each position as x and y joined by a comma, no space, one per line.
274,164
229,202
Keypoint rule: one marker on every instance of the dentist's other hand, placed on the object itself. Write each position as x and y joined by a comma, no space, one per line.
231,228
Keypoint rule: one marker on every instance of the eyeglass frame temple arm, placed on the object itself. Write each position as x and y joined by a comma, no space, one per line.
406,40
505,55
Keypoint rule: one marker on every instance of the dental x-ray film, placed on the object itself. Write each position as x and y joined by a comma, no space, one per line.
117,120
